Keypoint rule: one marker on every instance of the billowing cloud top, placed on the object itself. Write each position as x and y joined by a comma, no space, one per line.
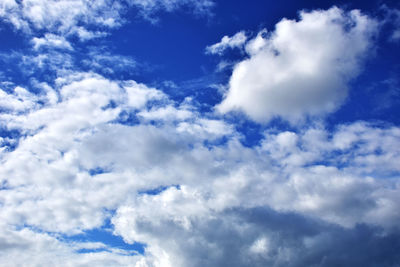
97,169
302,68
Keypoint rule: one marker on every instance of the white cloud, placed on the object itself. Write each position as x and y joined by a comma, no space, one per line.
51,40
302,68
67,133
44,249
88,149
166,113
78,17
29,64
236,41
260,246
59,16
319,184
20,100
313,179
54,55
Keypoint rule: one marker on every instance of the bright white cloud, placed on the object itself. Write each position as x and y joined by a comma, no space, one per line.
19,101
59,16
45,249
302,68
77,17
166,113
236,41
51,40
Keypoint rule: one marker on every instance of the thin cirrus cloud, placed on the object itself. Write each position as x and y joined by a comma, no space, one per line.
81,152
302,68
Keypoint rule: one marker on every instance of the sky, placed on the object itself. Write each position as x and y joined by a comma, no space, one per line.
185,133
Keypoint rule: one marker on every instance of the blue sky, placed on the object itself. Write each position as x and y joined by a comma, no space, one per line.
199,133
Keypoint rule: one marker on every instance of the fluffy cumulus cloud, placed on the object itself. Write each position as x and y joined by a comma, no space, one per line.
301,68
80,153
276,205
92,149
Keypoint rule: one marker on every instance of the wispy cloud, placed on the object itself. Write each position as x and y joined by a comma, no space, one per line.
236,41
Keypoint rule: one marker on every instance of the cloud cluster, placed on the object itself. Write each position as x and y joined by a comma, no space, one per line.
293,202
85,19
90,148
82,152
61,17
302,68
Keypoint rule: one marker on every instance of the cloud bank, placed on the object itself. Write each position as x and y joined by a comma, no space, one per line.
90,149
81,152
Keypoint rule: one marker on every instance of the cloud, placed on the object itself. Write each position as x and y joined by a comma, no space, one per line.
392,21
54,56
148,8
256,237
60,16
19,101
44,249
81,152
287,201
79,17
302,68
101,61
51,40
69,124
290,204
236,41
